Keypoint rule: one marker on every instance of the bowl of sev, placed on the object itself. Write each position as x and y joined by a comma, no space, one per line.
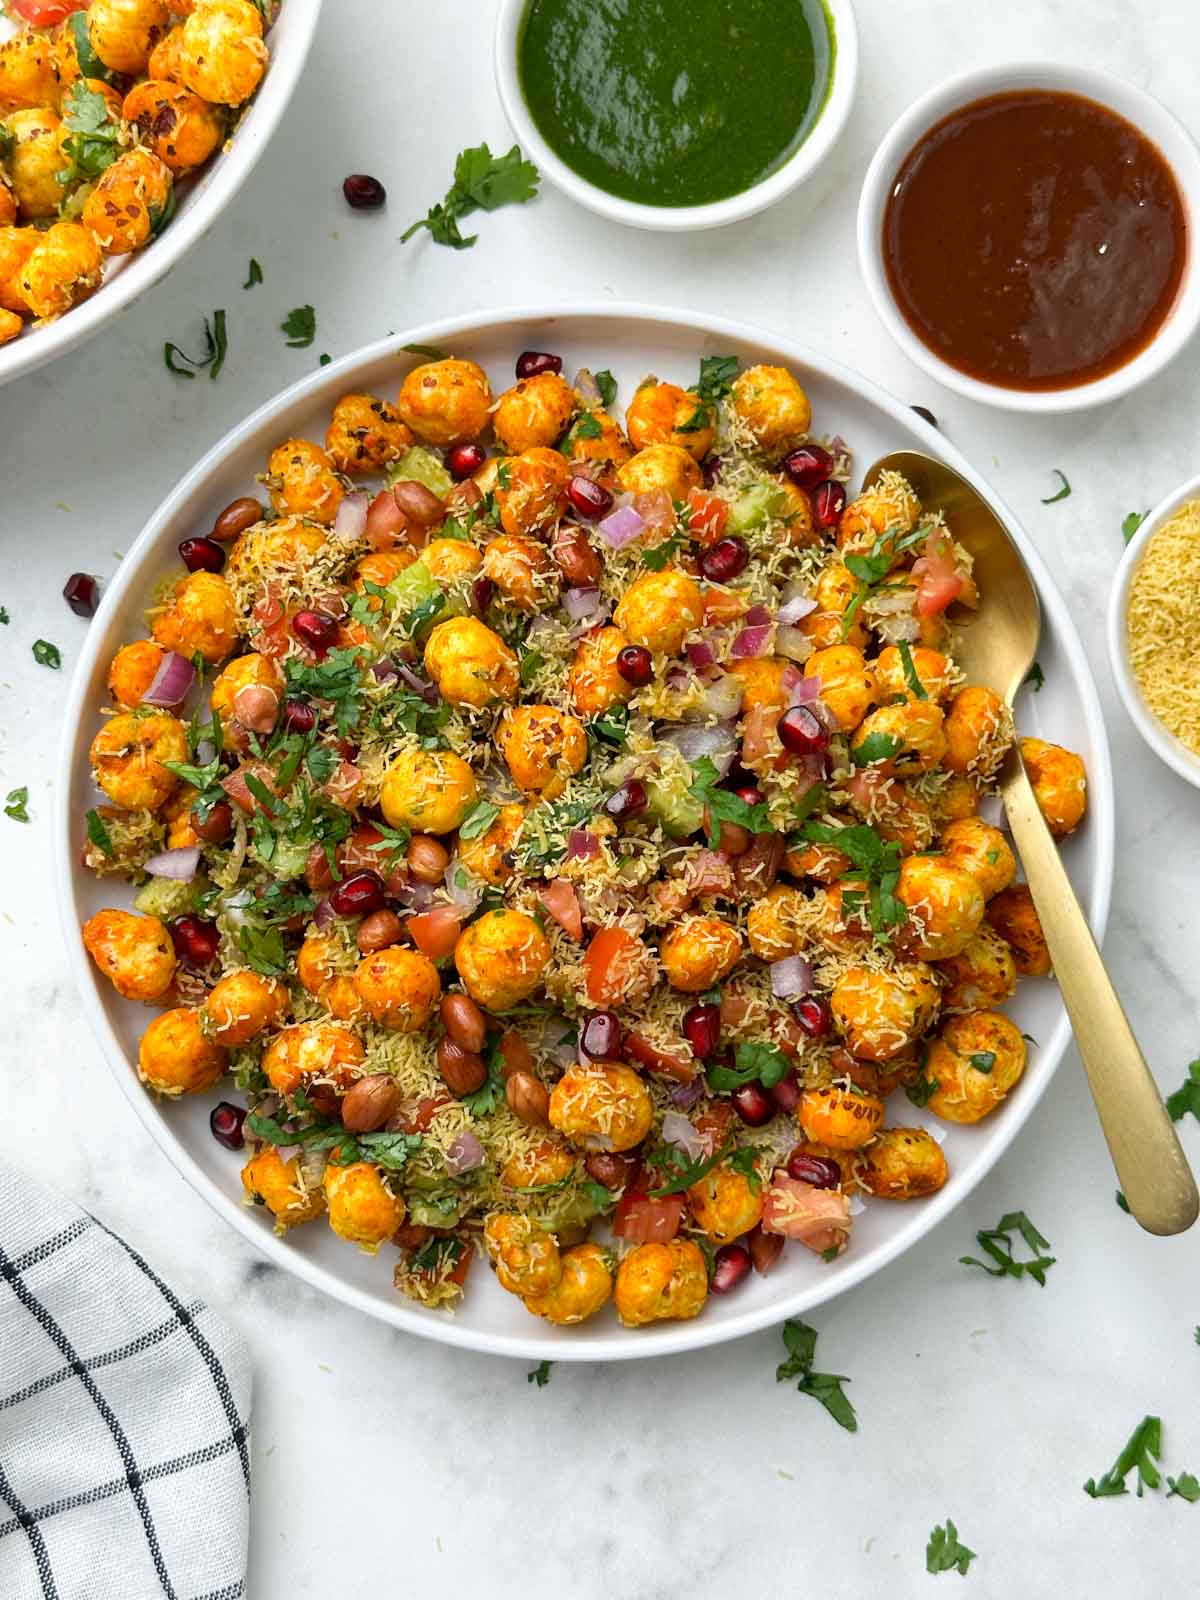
1154,630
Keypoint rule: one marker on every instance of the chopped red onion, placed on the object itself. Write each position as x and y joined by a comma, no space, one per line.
701,654
790,978
657,509
723,697
792,610
351,520
686,1094
794,644
757,616
178,864
428,691
385,670
803,691
323,913
464,1153
679,1131
678,678
175,676
588,389
718,743
559,1040
582,845
464,898
414,895
620,527
753,641
579,603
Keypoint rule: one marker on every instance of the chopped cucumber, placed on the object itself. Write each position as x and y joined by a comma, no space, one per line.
165,898
418,465
670,804
756,506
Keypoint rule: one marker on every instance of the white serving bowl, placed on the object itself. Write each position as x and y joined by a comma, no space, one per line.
630,341
1148,115
201,201
1160,739
679,219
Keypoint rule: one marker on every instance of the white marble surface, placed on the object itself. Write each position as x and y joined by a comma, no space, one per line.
389,1464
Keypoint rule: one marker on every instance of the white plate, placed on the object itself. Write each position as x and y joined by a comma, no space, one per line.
201,201
632,341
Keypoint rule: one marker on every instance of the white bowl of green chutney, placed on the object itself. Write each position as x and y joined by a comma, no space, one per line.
676,114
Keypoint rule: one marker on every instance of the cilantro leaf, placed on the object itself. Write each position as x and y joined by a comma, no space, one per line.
47,654
1187,1097
588,427
607,386
1122,1202
659,556
716,376
1131,523
482,182
299,327
722,805
16,804
337,679
911,676
478,820
1034,676
680,1171
754,1062
90,64
255,274
92,141
98,834
263,950
540,1374
1186,1486
1142,1450
1063,492
922,1091
983,1060
997,1244
488,1096
944,1552
4,616
875,747
878,860
216,347
429,351
800,1342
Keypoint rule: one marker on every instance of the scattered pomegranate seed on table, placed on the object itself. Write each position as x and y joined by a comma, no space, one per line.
82,593
363,192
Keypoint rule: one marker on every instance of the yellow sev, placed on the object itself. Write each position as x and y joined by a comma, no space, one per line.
1162,624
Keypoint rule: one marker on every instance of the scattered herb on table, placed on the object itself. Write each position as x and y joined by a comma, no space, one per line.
1123,1203
1131,523
1142,1450
800,1342
1035,676
47,654
255,274
1063,492
16,804
482,182
997,1245
946,1553
299,327
1185,1487
216,343
4,616
1187,1097
540,1374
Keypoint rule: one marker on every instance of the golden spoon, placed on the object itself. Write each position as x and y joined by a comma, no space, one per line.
997,649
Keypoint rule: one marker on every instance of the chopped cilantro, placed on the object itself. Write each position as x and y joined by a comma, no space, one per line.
1187,1097
216,346
983,1060
491,1092
659,556
722,805
944,1552
680,1172
1122,1202
1142,1450
911,677
600,1197
540,1374
1063,492
1131,523
613,725
90,64
800,1342
263,951
390,1150
16,804
92,140
716,376
607,386
875,747
876,859
754,1062
997,1245
299,327
542,841
923,1090
47,654
1186,1486
482,182
4,616
255,274
528,663
429,351
1035,676
588,427
478,820
98,834
337,679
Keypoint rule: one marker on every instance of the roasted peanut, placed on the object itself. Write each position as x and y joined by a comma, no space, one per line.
217,825
515,1055
318,874
427,858
528,1100
462,1070
577,561
256,706
765,1250
237,516
610,1170
369,1103
378,930
464,1022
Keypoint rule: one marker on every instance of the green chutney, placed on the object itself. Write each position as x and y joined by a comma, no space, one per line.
675,102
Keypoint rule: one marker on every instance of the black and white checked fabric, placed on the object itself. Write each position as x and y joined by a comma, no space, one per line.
124,1419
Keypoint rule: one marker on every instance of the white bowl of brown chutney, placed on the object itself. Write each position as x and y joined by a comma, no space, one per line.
1024,233
676,114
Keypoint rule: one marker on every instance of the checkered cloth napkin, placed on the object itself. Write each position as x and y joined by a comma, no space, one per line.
124,1419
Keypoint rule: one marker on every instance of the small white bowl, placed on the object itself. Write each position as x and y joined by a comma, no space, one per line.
1164,743
679,219
1146,114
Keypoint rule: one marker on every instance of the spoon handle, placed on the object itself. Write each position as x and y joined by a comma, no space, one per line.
1152,1169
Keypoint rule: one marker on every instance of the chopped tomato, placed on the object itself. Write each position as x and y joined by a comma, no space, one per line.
644,1221
46,13
387,526
561,901
679,1064
723,605
818,1218
656,509
760,741
939,582
344,785
435,933
608,960
238,789
418,1118
707,516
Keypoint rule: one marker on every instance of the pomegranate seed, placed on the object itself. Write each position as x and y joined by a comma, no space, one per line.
201,555
828,503
731,1265
926,415
711,470
196,941
601,1036
589,499
808,466
532,362
635,664
482,593
317,628
753,1104
801,732
359,895
813,1015
627,801
765,1250
786,1093
299,716
726,559
82,593
225,1125
465,459
363,192
819,1171
702,1030
752,795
